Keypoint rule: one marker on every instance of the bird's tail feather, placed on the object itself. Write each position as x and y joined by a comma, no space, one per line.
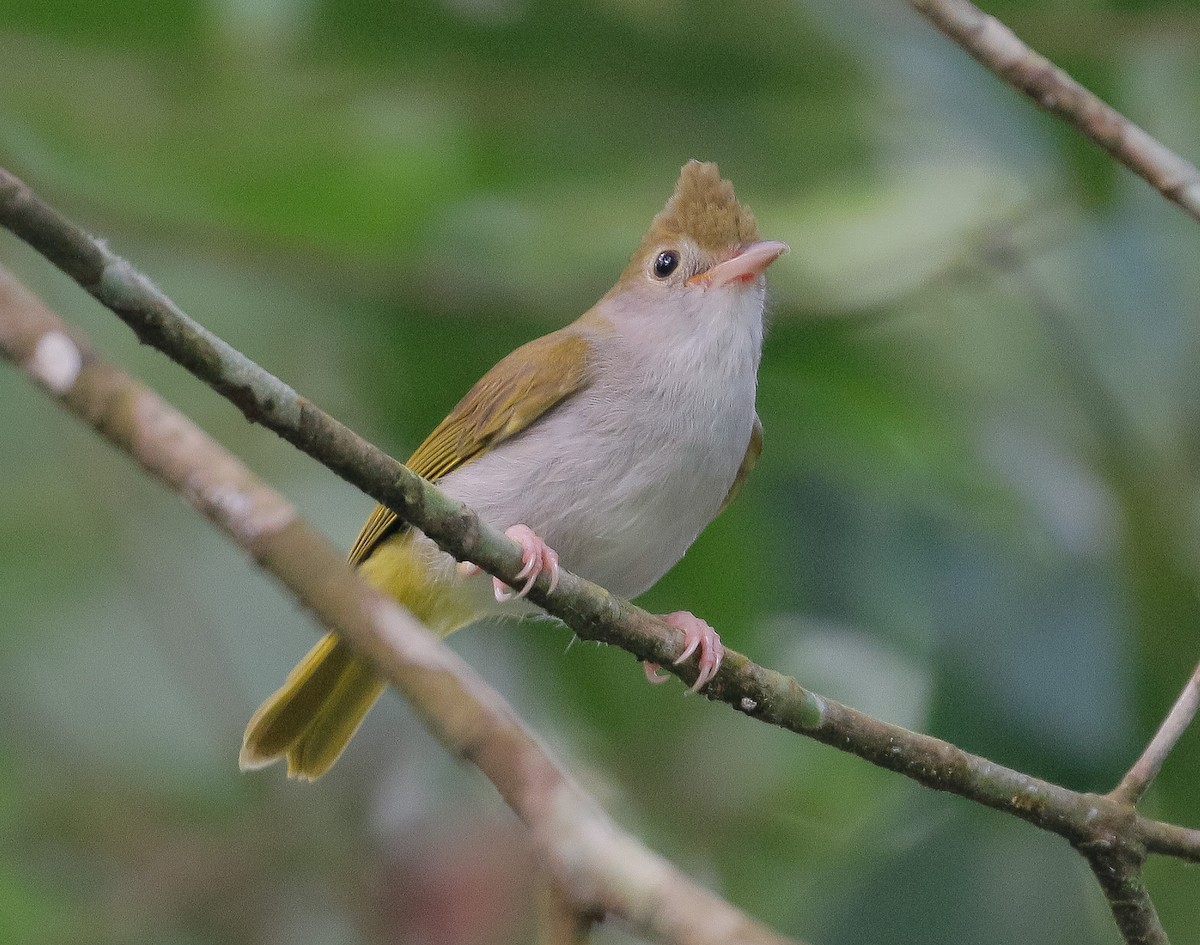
313,716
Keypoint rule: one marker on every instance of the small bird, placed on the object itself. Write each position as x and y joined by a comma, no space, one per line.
607,445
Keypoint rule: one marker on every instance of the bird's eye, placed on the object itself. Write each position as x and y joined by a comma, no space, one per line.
665,263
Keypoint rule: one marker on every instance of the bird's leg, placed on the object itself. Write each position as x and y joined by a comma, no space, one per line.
697,635
536,556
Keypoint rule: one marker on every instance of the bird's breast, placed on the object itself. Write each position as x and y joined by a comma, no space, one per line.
621,478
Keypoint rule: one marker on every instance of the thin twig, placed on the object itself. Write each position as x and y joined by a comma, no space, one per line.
1169,839
996,46
1143,772
589,610
598,865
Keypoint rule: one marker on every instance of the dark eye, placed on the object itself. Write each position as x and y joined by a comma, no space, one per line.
666,262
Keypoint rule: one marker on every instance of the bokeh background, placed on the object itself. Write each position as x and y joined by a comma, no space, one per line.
976,514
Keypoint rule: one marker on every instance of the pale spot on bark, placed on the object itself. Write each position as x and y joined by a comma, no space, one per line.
56,362
249,512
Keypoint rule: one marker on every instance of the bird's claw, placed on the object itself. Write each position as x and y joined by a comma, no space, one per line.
697,635
536,556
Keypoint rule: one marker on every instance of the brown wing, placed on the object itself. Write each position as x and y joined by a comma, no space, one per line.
753,451
511,396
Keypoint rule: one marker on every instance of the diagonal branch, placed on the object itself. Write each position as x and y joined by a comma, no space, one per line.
601,868
1116,862
589,610
265,399
996,46
1146,768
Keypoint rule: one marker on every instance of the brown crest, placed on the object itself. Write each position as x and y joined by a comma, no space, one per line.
704,210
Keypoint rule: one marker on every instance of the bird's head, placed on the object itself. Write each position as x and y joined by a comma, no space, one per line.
702,240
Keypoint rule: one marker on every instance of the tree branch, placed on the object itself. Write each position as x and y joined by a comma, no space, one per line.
589,610
1169,839
1117,866
996,46
601,868
1146,768
1115,861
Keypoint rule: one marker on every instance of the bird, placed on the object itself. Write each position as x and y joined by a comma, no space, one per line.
604,447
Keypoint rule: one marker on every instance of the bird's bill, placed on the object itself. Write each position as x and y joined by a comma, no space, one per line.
746,265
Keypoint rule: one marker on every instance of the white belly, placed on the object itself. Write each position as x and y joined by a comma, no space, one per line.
620,479
617,515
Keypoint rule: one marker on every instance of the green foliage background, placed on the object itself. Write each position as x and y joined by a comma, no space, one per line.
976,514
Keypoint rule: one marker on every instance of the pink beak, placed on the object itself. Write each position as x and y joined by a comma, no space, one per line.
746,265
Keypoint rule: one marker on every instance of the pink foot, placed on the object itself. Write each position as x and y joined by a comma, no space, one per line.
536,556
697,635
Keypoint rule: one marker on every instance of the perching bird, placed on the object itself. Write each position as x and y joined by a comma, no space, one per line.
608,444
